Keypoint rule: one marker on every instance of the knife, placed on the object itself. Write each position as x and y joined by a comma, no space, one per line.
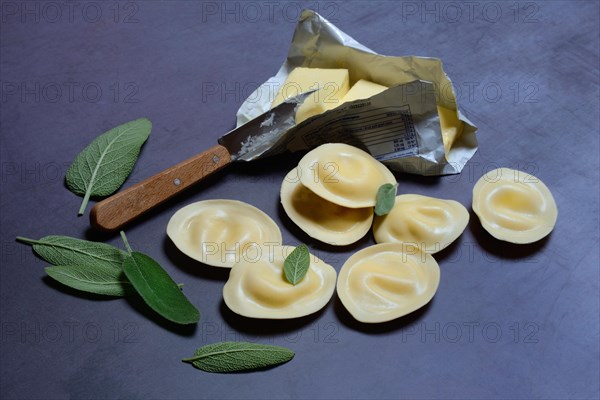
257,138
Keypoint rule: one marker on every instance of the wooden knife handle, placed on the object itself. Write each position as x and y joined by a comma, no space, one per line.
112,213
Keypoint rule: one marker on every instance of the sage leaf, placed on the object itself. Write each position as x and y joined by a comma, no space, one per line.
238,356
102,167
385,199
296,264
110,282
65,250
157,288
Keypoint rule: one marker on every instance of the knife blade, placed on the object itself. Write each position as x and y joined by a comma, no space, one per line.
255,139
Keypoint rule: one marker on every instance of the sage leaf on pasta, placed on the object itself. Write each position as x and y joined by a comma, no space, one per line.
296,264
385,199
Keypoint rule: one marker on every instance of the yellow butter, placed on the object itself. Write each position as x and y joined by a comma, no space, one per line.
363,89
222,232
451,127
387,281
322,219
426,222
258,288
333,84
514,206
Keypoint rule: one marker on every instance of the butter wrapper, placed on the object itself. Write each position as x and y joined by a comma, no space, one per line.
399,126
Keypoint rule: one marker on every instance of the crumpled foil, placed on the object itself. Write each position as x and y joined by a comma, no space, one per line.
400,126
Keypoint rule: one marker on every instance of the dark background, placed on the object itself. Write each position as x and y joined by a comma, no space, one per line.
507,321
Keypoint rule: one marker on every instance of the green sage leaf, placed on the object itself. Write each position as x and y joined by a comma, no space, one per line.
110,282
296,264
102,167
238,356
157,288
385,199
65,250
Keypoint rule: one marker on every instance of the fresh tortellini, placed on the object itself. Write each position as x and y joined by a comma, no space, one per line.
320,218
514,206
344,175
258,288
387,281
426,222
222,232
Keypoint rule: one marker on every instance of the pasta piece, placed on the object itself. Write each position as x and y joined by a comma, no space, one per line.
258,288
426,222
387,281
222,232
322,219
514,206
344,175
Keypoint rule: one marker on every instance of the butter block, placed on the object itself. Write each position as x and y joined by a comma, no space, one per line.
333,84
258,288
344,175
363,89
428,223
514,206
322,219
387,281
222,232
450,125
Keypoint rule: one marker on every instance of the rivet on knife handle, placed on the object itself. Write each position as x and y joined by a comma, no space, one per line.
114,212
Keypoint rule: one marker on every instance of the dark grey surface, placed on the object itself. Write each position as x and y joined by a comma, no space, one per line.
507,321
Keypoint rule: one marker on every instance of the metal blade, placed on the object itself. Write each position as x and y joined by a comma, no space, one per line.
251,140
